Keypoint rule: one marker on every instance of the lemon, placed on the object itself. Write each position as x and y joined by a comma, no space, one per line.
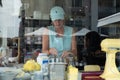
31,65
37,66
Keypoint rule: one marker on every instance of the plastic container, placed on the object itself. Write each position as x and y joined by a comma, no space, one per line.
42,59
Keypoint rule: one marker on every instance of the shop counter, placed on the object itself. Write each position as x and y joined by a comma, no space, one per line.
81,76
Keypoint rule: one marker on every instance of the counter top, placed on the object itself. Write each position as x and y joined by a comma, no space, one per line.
81,75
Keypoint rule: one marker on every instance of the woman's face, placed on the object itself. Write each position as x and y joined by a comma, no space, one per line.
58,23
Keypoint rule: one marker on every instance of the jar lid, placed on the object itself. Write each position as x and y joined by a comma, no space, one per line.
43,54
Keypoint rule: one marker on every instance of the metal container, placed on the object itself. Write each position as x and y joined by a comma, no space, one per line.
57,69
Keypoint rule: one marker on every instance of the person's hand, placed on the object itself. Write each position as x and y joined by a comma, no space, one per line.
66,54
53,51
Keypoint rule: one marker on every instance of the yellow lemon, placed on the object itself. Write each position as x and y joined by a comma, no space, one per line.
38,67
31,65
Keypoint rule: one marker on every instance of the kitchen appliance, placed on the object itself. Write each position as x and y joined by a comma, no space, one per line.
111,47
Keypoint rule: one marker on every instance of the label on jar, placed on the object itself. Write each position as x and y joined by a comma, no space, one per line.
45,67
42,59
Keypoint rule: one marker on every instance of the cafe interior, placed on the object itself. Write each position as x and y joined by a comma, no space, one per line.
22,26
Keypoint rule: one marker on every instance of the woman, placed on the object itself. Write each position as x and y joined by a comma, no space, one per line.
92,41
92,53
62,43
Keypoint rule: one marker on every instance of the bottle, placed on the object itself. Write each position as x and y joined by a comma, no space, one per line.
45,67
42,59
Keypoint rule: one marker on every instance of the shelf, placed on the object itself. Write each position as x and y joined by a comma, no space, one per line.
36,22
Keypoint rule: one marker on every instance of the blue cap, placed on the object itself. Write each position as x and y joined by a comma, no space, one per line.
57,13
